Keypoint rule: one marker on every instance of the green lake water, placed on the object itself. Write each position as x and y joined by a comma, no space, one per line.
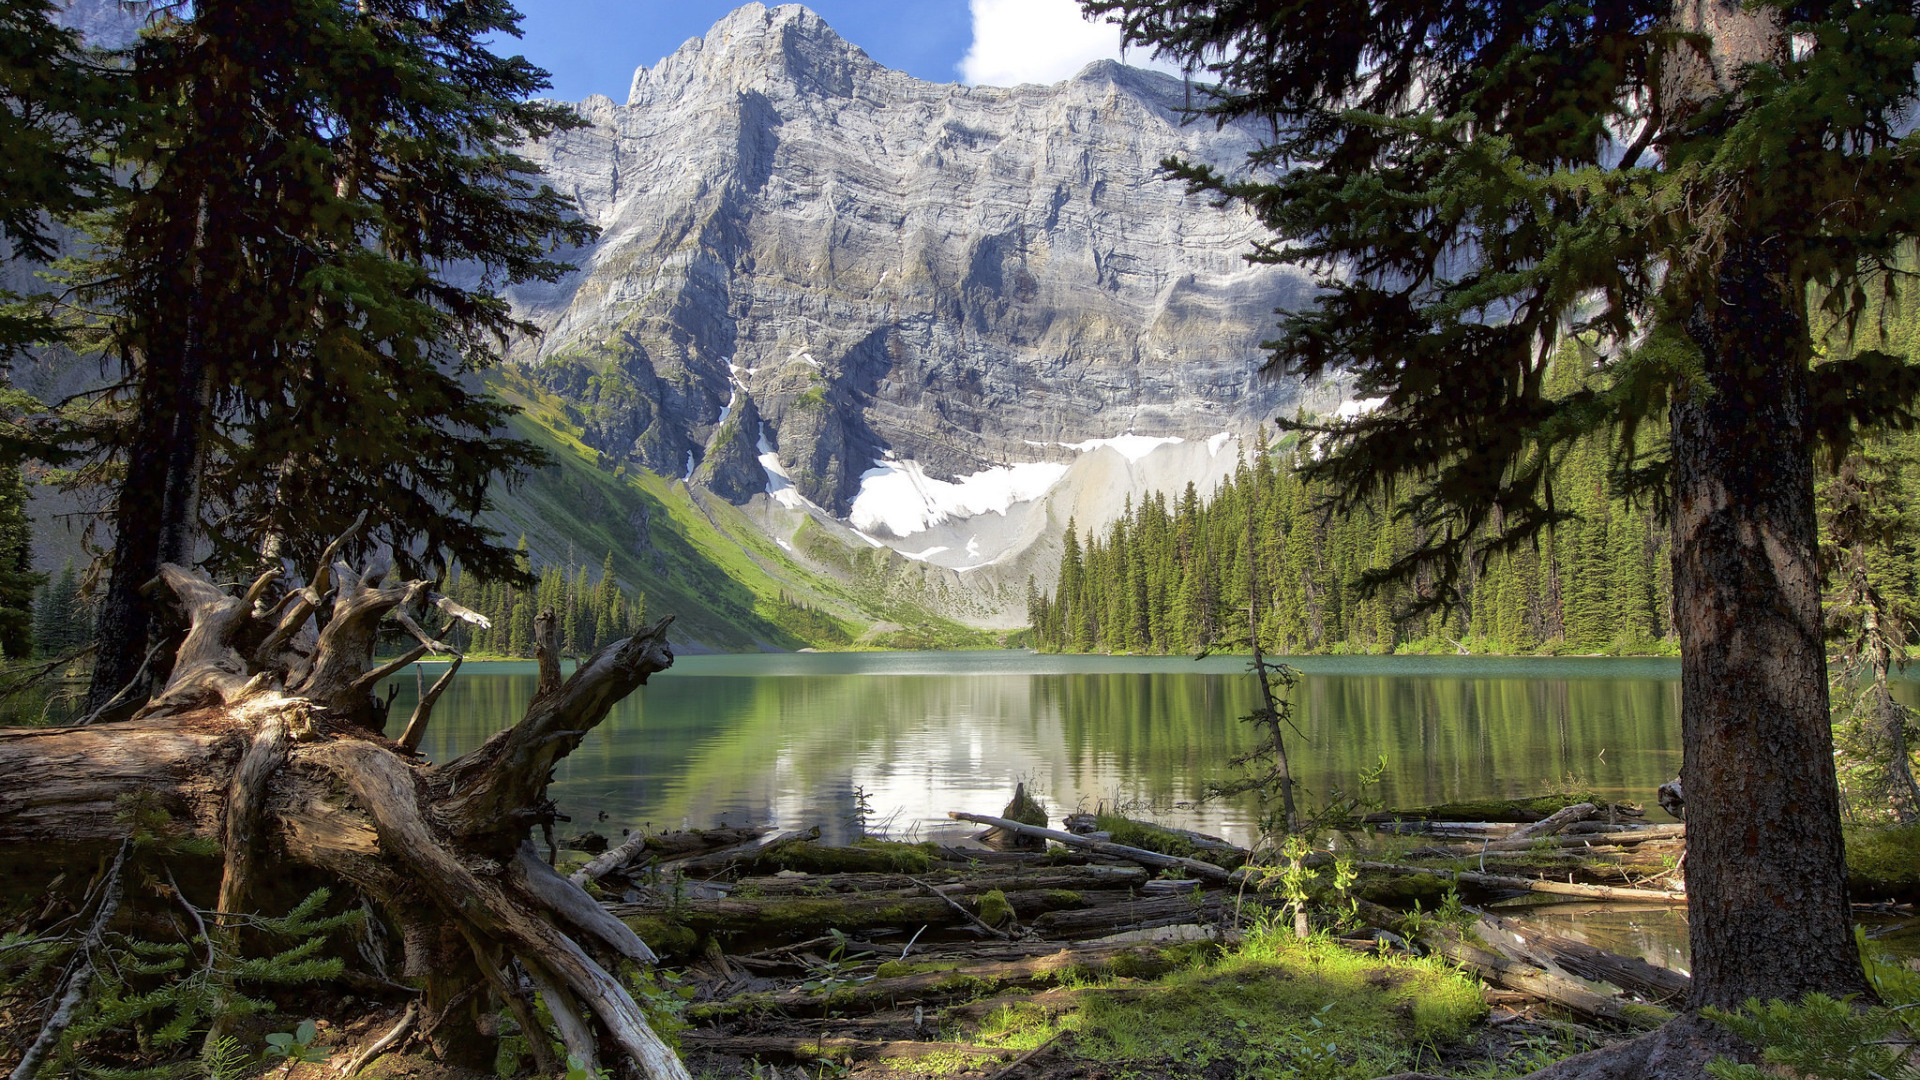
791,740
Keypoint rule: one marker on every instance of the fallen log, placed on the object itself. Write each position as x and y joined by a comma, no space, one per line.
1538,983
1522,884
663,846
1134,915
793,917
1554,822
1087,825
1095,877
941,979
1197,868
1631,838
1518,941
1521,811
273,751
714,862
833,1048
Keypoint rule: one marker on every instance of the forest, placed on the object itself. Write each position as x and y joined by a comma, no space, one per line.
1175,576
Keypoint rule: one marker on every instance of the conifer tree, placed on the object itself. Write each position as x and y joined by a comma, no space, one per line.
1659,199
276,284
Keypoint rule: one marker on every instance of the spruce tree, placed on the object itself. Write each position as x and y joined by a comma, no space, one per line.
277,283
1671,180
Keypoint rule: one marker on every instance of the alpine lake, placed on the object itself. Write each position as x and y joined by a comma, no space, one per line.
888,743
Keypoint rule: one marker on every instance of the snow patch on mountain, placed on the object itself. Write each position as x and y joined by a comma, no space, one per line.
1131,447
901,498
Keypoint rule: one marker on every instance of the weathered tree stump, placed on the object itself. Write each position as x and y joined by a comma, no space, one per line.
267,739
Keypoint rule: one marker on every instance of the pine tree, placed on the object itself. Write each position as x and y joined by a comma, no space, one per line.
1657,201
277,281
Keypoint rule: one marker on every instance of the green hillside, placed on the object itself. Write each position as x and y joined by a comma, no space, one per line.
699,558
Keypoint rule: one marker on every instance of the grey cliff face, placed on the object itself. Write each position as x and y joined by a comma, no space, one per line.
871,268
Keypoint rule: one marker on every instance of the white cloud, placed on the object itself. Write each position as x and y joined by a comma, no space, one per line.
1040,41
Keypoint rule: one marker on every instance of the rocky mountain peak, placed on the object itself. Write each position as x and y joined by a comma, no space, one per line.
928,316
755,46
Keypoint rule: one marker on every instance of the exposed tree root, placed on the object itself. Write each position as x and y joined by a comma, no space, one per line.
267,739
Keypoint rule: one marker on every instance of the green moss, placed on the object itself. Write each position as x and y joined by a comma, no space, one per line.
1282,1007
1059,899
1884,863
994,909
1142,834
664,936
1645,1016
894,969
962,985
864,856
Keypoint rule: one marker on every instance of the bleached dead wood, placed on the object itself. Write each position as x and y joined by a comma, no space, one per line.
1521,884
1203,870
280,740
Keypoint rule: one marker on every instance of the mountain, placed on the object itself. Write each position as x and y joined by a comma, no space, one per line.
852,348
872,312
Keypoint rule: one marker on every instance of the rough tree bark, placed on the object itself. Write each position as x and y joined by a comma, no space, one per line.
266,740
1766,878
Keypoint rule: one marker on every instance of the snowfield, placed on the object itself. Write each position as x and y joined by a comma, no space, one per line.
901,498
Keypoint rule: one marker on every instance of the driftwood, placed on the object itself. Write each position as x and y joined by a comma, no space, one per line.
1205,870
267,741
1528,979
1555,822
1549,951
673,845
1522,884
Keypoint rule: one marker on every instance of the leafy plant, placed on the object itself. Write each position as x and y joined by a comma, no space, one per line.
577,1070
296,1045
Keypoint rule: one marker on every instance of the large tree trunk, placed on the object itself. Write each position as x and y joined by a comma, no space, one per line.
261,742
1766,874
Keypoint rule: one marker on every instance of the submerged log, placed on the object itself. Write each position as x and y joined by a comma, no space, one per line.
1518,941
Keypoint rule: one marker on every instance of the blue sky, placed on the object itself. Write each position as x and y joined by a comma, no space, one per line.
593,46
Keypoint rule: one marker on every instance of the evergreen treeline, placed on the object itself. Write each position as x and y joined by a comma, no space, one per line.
62,619
1177,578
591,612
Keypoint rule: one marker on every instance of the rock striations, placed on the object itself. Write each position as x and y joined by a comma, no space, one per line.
902,306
